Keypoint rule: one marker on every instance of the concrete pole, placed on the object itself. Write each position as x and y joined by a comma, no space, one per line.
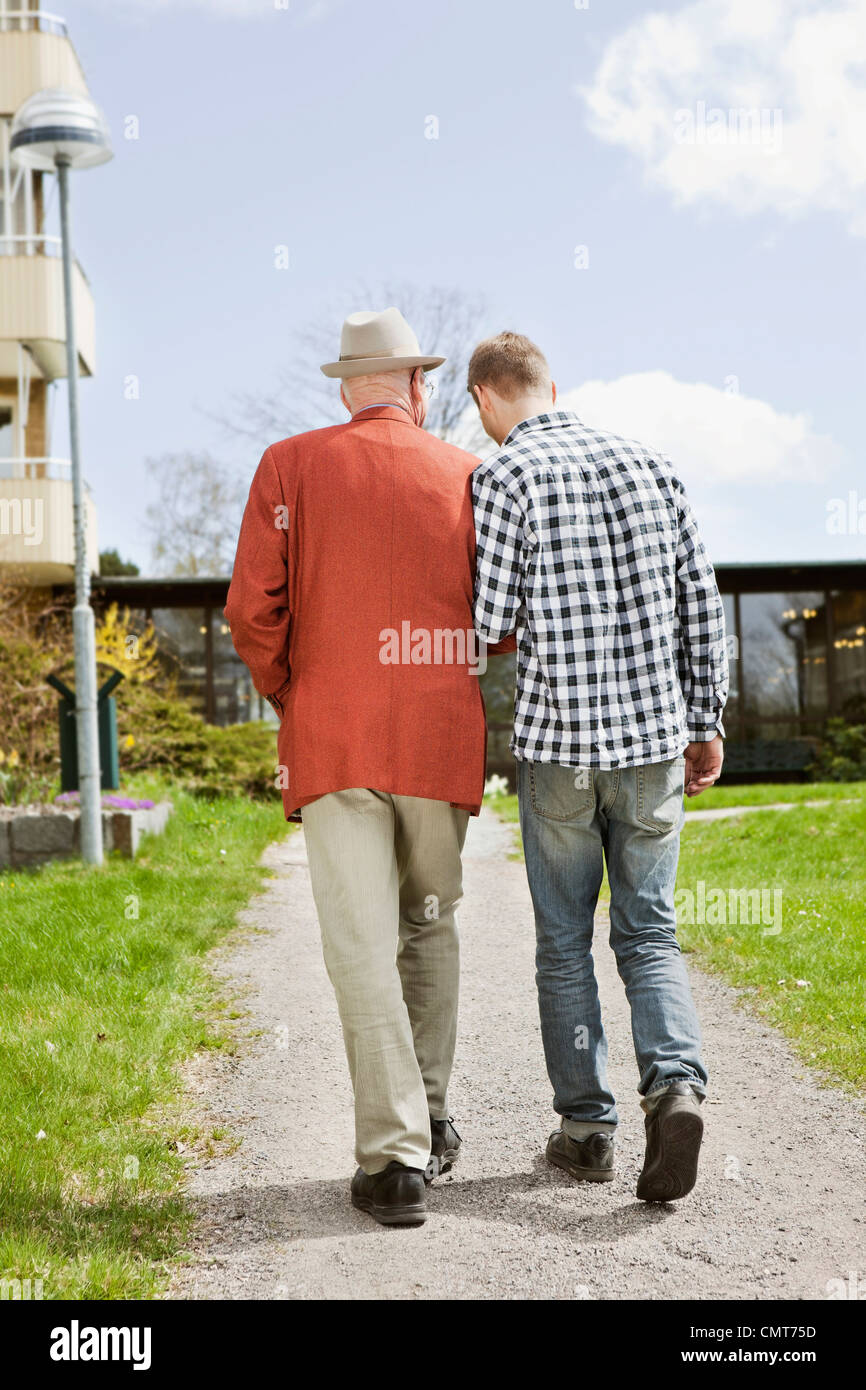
83,626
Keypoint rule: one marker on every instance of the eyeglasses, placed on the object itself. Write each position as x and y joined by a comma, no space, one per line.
429,383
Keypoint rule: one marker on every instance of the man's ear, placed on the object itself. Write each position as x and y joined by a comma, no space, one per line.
480,395
418,396
343,399
553,392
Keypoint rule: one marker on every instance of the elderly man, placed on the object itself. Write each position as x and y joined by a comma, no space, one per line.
588,549
351,604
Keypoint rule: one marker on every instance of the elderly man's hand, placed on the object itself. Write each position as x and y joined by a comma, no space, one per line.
703,765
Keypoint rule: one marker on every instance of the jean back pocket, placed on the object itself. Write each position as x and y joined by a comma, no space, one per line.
660,794
560,793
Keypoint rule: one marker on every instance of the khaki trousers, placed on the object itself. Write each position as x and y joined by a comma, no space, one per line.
387,878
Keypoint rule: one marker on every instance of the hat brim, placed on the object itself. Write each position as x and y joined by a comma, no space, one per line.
365,366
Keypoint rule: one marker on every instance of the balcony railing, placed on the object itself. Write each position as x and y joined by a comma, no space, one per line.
32,244
32,21
36,468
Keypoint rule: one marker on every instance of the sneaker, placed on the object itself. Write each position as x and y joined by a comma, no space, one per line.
444,1149
674,1130
588,1160
394,1197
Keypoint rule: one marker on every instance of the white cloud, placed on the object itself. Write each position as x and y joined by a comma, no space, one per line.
711,435
802,58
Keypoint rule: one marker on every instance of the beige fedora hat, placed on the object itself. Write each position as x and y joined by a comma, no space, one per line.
378,342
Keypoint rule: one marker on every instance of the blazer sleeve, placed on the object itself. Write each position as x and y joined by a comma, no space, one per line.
257,608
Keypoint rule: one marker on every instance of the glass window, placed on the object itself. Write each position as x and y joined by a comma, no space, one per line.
236,700
732,708
783,661
849,651
180,637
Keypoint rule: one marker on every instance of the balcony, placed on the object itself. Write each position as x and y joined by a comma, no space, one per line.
35,52
36,468
30,20
31,307
36,535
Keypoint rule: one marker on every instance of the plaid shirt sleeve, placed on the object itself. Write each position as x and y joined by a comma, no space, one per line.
499,532
703,657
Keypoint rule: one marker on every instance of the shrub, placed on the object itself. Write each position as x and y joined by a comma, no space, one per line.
841,756
157,729
160,732
32,643
121,645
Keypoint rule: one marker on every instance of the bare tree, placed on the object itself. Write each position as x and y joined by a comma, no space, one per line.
194,523
448,323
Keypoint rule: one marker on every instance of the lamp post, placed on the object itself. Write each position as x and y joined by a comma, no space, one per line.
59,130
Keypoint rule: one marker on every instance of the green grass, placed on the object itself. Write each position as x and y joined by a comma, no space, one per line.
760,794
506,807
766,793
816,857
103,994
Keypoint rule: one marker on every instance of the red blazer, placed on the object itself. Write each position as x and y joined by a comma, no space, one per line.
355,567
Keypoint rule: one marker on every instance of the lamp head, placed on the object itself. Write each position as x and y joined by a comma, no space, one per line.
57,125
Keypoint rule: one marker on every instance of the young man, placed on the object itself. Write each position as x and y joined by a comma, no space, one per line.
351,589
587,549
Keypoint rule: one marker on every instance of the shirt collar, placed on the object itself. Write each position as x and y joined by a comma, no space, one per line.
373,412
551,419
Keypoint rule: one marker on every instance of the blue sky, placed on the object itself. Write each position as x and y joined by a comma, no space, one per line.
720,315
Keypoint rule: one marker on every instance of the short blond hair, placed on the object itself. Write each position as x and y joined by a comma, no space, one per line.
511,364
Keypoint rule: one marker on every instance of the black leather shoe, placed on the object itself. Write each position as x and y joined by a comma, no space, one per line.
674,1130
444,1149
394,1197
588,1160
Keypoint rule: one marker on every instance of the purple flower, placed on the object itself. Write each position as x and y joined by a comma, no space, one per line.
110,802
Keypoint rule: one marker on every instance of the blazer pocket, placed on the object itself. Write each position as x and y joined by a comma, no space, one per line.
277,700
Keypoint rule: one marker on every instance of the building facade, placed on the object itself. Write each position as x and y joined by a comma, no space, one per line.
796,640
36,535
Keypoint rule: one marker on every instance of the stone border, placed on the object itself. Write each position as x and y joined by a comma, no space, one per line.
36,835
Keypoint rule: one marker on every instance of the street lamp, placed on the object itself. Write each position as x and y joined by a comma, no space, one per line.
61,130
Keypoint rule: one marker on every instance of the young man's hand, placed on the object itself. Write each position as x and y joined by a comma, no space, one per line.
703,765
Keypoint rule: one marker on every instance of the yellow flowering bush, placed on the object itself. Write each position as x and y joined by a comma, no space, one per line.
120,645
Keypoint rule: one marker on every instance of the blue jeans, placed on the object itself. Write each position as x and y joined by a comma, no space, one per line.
573,819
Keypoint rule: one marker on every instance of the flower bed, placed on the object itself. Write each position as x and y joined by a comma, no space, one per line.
32,835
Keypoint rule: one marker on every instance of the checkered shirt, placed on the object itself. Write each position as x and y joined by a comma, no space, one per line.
588,550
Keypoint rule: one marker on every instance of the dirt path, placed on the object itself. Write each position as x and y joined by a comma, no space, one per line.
778,1210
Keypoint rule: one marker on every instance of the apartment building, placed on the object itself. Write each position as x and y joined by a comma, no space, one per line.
36,535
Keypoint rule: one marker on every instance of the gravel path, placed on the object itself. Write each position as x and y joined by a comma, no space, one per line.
779,1206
